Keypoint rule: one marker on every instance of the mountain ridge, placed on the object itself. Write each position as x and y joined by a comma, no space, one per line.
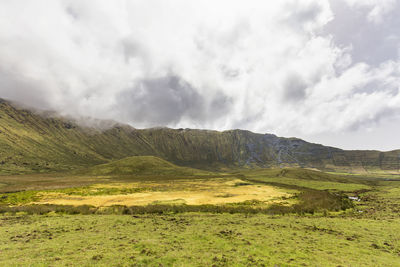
30,142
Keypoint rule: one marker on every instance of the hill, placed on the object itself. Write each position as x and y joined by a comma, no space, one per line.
33,142
140,165
30,142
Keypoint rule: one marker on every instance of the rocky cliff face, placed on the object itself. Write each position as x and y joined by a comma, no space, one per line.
30,142
244,148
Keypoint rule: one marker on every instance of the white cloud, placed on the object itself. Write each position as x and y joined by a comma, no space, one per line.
377,9
263,66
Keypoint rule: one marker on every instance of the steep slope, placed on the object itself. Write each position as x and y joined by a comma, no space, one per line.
31,143
244,148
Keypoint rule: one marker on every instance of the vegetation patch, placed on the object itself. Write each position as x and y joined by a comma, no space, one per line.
101,191
18,198
303,178
198,192
141,165
309,202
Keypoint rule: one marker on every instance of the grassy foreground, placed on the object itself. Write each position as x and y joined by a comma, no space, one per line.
197,239
309,222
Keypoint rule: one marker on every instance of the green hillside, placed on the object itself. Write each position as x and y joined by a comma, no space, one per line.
305,178
140,165
33,143
246,149
30,142
303,174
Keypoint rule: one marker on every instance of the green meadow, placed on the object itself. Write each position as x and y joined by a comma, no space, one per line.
197,239
159,214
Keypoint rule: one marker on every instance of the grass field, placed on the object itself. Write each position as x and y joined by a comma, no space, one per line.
174,216
197,239
200,191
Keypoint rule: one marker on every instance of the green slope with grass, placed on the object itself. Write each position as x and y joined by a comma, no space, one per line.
32,142
35,143
140,165
304,178
246,149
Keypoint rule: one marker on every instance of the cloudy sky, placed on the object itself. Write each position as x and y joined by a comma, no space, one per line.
325,71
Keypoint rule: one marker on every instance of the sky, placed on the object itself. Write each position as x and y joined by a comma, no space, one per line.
327,71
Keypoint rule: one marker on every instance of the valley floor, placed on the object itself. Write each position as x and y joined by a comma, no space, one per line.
192,192
266,217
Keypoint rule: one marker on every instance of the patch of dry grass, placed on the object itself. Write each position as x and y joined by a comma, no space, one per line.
198,192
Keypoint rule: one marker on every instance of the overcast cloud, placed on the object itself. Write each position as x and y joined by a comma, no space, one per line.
327,71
